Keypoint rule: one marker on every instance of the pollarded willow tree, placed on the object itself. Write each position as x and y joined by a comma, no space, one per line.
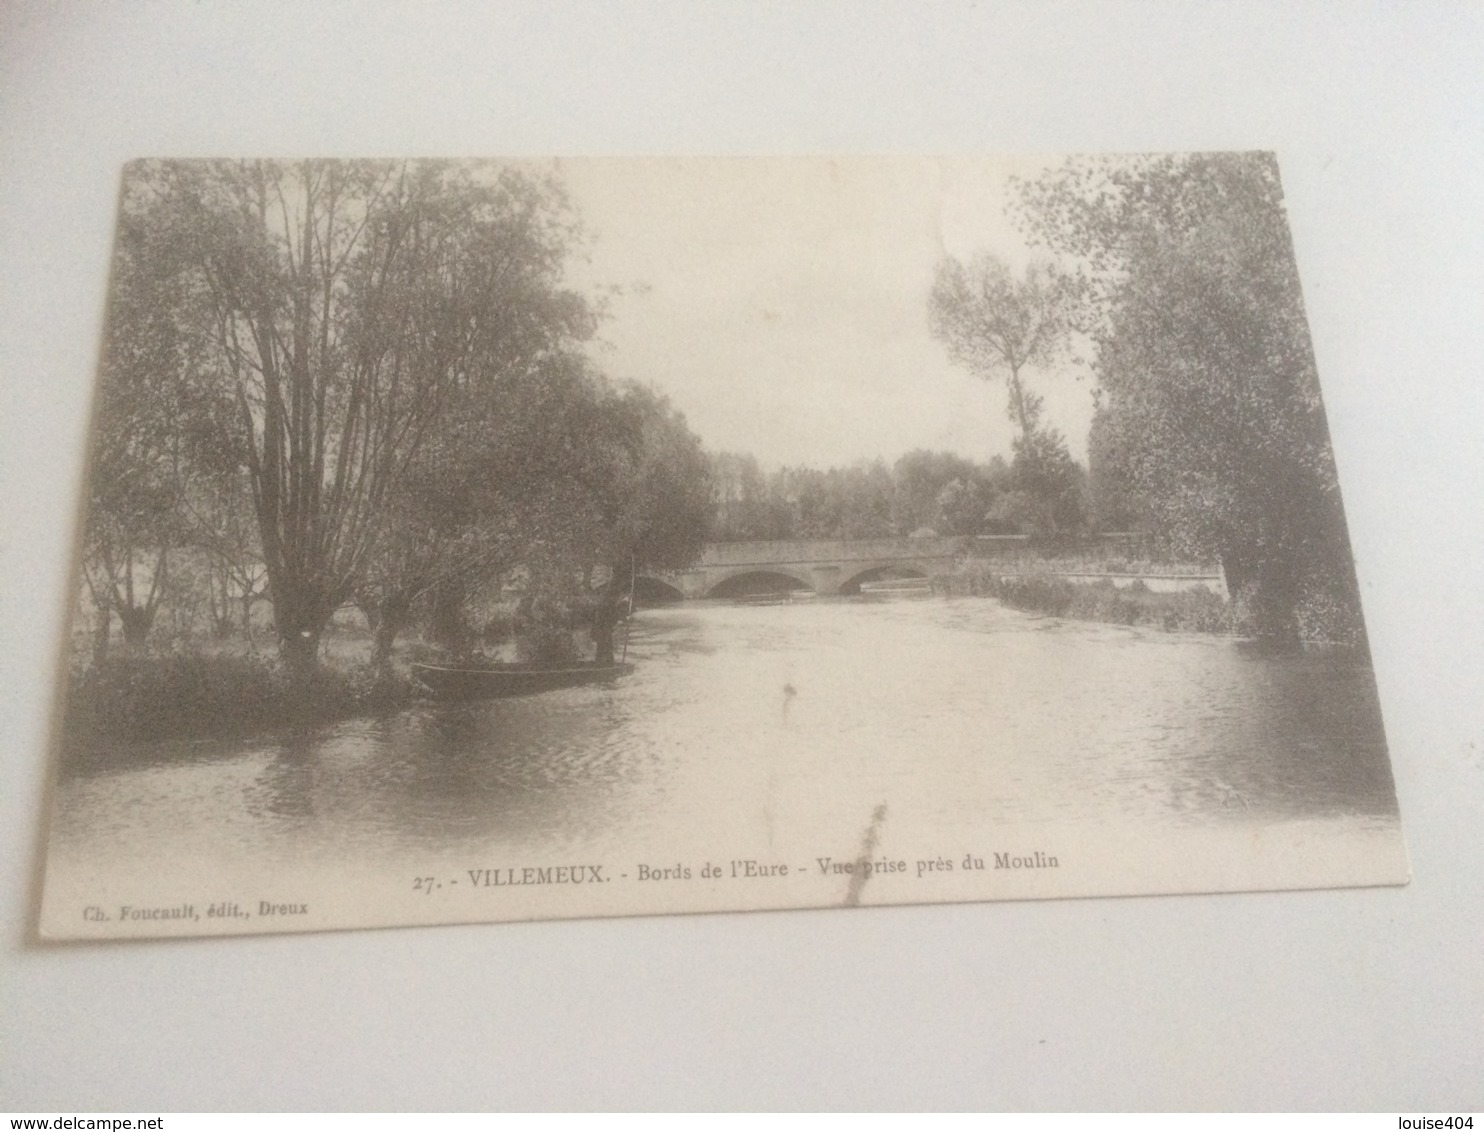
1212,408
350,304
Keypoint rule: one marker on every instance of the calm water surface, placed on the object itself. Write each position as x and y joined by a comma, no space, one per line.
737,719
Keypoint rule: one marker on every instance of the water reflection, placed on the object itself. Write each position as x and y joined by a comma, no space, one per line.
962,713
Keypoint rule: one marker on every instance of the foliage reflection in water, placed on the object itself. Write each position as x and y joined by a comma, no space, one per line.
962,713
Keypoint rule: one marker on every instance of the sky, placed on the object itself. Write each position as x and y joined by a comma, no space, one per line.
782,303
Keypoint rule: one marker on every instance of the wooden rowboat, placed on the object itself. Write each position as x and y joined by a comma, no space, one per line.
488,681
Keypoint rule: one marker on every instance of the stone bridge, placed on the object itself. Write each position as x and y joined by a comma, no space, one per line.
826,566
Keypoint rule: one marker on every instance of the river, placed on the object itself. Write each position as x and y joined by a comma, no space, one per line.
948,736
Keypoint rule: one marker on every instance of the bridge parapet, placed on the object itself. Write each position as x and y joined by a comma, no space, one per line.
801,551
823,565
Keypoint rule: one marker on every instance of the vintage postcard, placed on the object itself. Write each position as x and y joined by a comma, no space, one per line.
499,540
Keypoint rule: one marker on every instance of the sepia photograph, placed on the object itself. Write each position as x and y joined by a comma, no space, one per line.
492,540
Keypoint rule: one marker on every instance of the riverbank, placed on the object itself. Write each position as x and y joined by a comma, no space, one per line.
1191,611
200,695
222,689
958,713
1321,619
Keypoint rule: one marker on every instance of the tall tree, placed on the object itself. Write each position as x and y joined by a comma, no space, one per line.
1203,354
495,485
221,525
744,507
350,300
647,484
920,478
998,326
1051,483
1113,500
665,486
139,460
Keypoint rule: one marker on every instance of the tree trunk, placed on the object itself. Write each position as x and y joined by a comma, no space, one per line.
605,617
300,651
221,618
219,599
136,621
446,626
391,619
1276,604
610,610
300,619
102,629
1017,401
1269,591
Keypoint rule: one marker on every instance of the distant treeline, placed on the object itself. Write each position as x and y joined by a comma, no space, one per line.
328,383
1039,492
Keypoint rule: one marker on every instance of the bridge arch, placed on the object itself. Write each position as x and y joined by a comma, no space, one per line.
751,581
881,571
814,564
656,591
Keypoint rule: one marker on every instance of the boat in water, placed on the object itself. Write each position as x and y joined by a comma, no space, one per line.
494,680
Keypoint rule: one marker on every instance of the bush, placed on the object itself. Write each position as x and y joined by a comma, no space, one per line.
189,696
1190,611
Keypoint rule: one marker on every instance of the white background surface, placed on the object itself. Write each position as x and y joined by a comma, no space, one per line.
1358,999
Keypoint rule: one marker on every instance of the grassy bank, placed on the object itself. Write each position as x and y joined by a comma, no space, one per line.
1191,611
189,696
1321,618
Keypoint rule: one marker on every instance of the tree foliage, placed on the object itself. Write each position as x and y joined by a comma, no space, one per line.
1047,485
555,471
997,325
150,398
328,381
1113,501
1212,411
348,303
940,492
